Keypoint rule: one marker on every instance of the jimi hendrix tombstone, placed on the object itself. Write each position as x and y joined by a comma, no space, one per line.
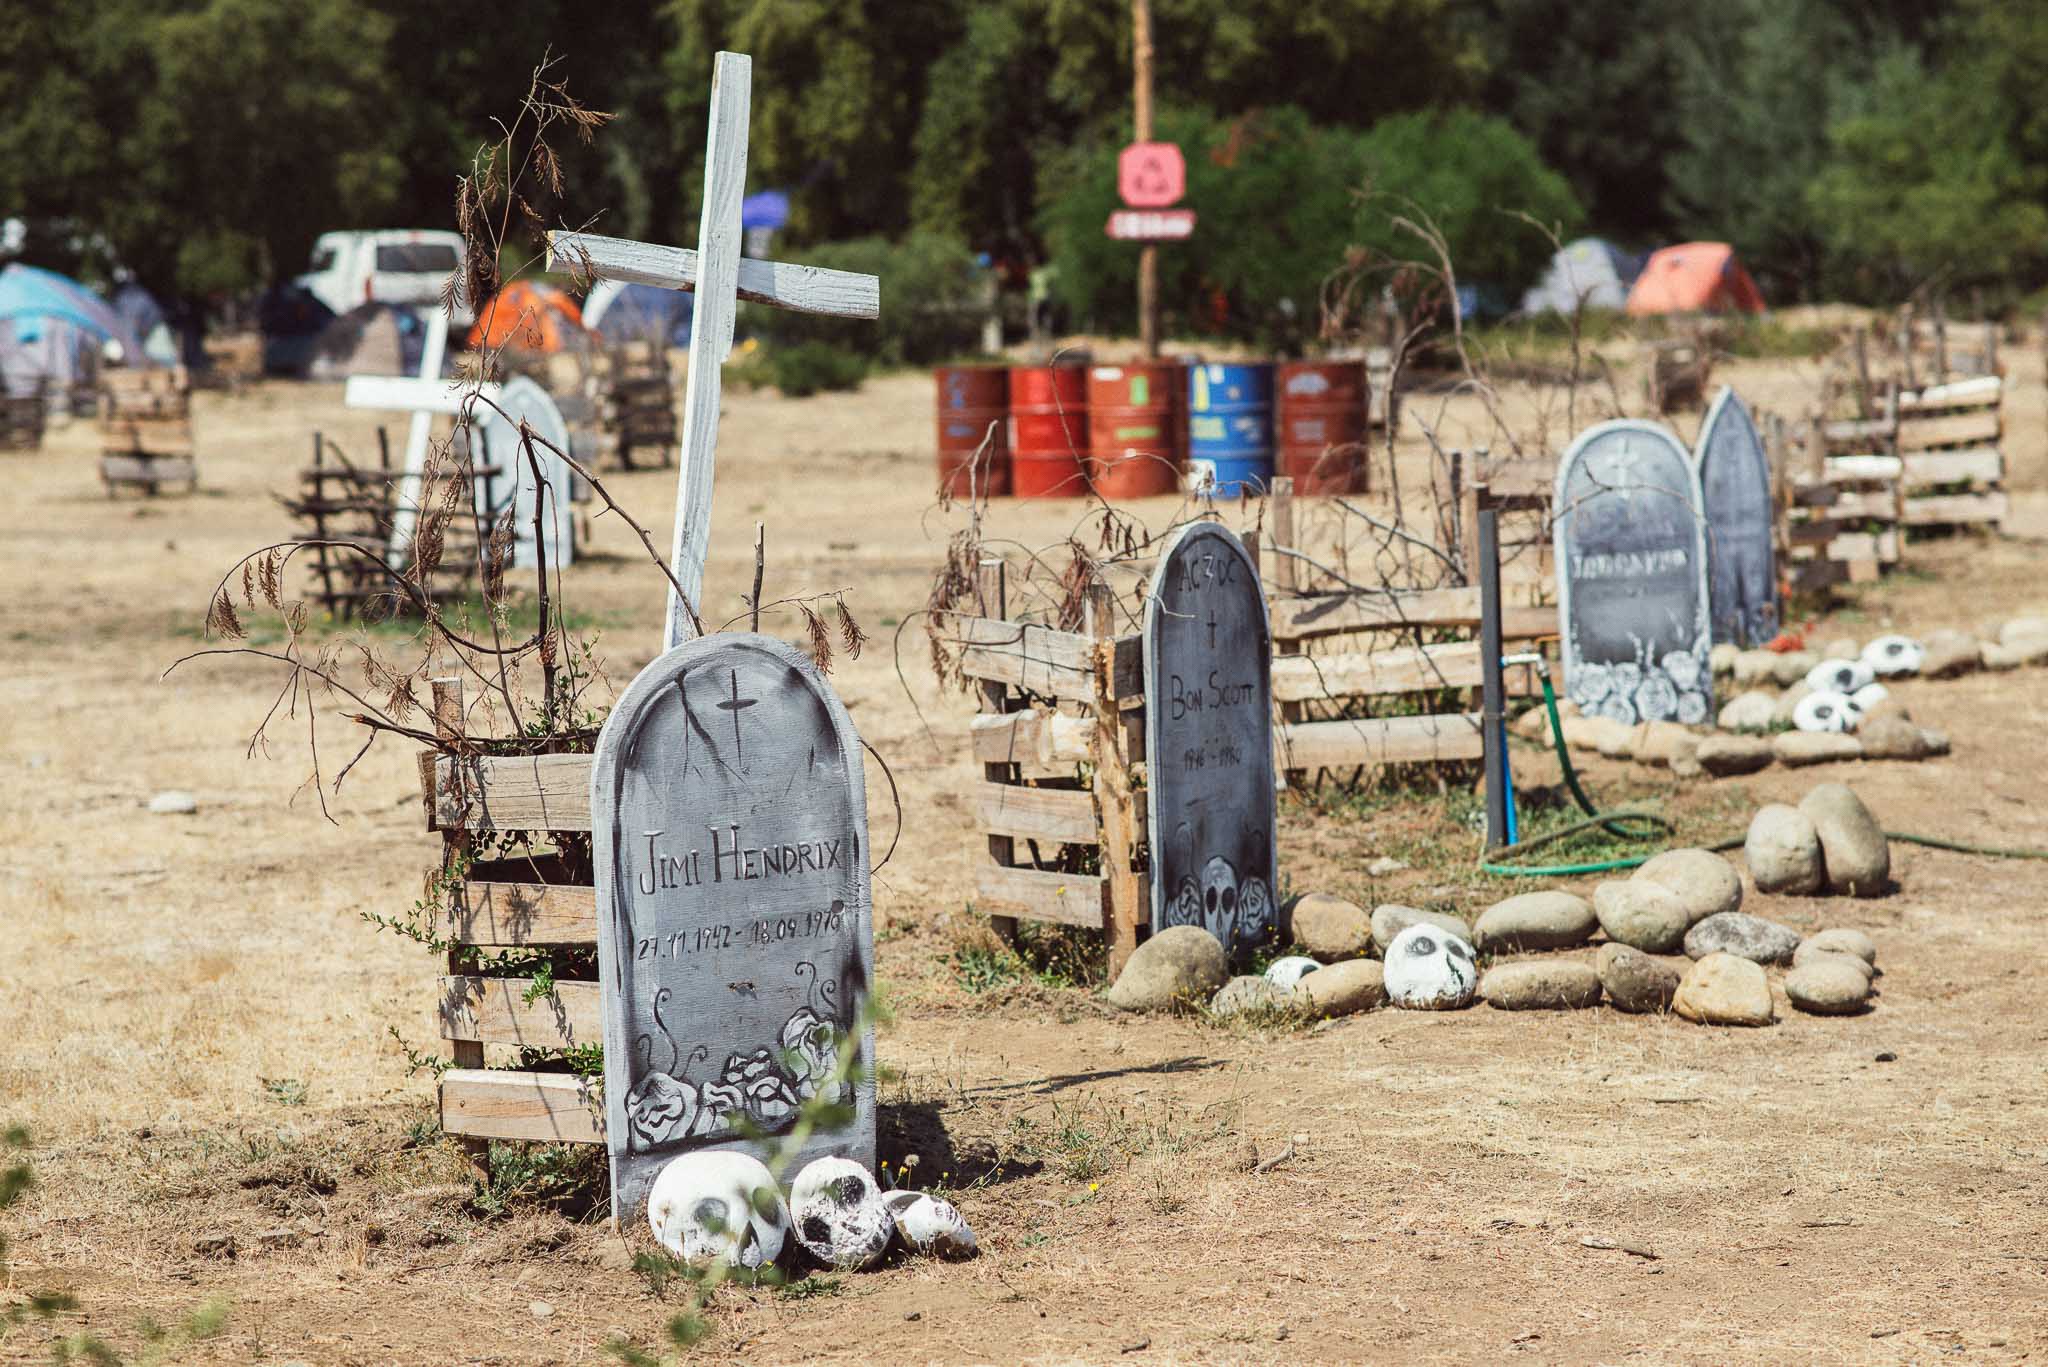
1209,740
729,830
1631,575
1735,489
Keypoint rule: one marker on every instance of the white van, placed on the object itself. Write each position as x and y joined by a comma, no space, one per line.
389,266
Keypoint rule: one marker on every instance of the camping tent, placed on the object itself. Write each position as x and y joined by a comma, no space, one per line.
370,339
1695,277
529,316
51,330
1590,273
138,308
619,312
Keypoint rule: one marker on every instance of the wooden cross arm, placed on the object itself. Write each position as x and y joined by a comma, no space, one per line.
407,393
806,289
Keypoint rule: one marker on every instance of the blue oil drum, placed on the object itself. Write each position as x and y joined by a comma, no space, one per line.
1230,429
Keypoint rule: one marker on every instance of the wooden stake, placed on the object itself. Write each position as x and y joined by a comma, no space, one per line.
1141,121
448,726
1115,811
995,697
760,568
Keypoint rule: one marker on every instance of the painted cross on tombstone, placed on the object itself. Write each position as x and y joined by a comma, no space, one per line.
720,277
425,397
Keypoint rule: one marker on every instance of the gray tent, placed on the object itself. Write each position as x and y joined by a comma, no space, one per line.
1590,273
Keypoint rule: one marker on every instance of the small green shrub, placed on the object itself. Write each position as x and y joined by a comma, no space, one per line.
802,369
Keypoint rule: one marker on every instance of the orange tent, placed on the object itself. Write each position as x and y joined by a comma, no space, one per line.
1695,277
528,316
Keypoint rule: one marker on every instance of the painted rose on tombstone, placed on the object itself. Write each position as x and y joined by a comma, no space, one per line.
659,1109
765,1093
810,1050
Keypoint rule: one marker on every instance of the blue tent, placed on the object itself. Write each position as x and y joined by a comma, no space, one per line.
765,209
626,313
50,327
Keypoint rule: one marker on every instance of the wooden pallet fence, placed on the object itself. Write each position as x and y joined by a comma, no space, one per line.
22,419
632,393
1382,662
145,421
1951,452
1058,739
340,504
511,904
1841,500
1676,376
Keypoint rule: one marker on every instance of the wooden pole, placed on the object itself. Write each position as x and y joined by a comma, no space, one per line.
992,588
1491,690
1115,806
1141,109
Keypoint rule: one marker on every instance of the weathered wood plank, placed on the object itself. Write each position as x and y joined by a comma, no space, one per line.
1025,655
1299,619
1036,813
511,792
485,912
1985,391
1073,899
1853,506
1380,740
1305,678
1955,429
810,289
1863,467
407,393
1978,464
545,1108
492,1011
148,470
1032,737
1940,510
1875,430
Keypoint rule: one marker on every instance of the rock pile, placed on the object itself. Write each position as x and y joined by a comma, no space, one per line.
1829,841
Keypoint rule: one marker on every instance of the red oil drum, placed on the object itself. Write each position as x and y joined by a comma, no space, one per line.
971,400
1048,431
1322,425
1132,429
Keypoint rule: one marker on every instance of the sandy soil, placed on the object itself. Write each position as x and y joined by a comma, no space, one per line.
197,1020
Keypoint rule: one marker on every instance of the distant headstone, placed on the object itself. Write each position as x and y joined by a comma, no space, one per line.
1631,575
1742,560
507,478
735,936
1209,740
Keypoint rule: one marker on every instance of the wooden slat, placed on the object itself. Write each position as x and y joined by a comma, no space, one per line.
1985,391
148,470
1058,664
545,1108
490,1011
147,436
1300,619
1853,546
1379,740
1978,464
511,792
1955,429
1860,430
809,289
1073,899
1305,678
1863,467
1941,510
1036,813
482,912
1032,737
1814,533
406,393
1854,506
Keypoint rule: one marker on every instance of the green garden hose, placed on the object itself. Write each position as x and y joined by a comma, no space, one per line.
1650,826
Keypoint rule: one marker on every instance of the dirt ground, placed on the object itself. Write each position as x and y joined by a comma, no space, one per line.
198,1022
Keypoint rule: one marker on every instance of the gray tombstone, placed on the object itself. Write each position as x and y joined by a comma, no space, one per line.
1632,575
507,478
1742,558
735,936
1209,740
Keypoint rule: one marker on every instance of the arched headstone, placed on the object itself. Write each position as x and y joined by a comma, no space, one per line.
508,478
1735,489
735,935
1209,740
1631,575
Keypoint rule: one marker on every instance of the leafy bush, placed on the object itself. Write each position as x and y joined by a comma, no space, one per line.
932,304
802,369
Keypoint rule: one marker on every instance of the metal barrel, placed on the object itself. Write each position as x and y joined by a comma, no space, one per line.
1230,428
1322,425
971,400
1048,431
1132,451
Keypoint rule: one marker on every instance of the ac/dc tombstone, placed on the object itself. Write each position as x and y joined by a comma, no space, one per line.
508,479
1209,740
735,939
1631,575
1735,489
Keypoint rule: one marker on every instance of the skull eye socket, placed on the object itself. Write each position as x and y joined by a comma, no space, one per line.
1229,899
1422,946
1456,949
1209,897
848,1191
710,1214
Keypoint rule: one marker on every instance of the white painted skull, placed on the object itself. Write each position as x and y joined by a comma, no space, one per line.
1219,896
719,1204
1869,696
1290,970
1889,656
837,1212
929,1225
1429,969
1826,711
1838,676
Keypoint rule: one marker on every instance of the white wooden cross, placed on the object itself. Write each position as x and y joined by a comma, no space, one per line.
720,277
424,397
